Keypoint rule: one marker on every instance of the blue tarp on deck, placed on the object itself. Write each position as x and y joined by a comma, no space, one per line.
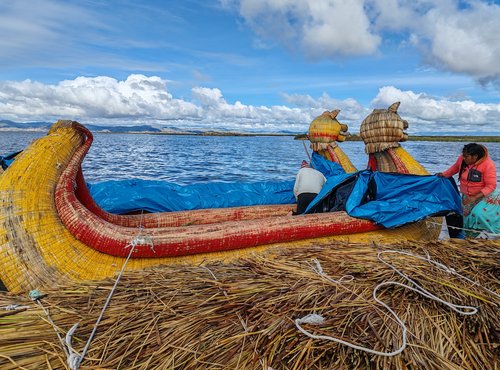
388,199
159,196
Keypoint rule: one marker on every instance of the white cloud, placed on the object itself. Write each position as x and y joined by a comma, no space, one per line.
430,114
319,28
460,36
466,41
140,99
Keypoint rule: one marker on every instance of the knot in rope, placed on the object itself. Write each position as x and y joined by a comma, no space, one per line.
139,239
35,295
312,318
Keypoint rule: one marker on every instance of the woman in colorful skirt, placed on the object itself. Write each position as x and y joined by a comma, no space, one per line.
478,181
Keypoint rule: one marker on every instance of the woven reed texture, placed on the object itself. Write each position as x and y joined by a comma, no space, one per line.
324,131
241,315
37,250
383,129
326,128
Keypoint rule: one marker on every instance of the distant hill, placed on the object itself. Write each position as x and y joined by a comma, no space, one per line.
39,126
44,126
6,125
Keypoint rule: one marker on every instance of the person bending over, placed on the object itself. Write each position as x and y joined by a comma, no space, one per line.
308,184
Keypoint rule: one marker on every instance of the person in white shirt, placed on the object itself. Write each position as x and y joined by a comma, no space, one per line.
308,184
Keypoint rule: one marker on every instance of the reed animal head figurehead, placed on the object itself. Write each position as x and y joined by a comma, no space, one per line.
324,132
383,129
326,129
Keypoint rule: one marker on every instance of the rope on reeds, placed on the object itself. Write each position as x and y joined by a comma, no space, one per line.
315,319
74,359
36,296
480,232
319,270
13,307
443,267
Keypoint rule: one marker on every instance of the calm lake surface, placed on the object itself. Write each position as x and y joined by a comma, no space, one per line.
196,159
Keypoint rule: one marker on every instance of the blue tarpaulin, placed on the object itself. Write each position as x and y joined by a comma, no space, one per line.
6,161
388,199
158,196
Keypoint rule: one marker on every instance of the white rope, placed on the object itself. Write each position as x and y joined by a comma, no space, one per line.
439,265
74,360
481,233
315,319
36,296
319,270
13,307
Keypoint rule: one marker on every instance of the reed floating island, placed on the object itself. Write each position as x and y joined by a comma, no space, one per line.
242,315
243,287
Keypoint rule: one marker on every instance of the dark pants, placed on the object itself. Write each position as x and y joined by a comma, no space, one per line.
455,224
454,221
303,201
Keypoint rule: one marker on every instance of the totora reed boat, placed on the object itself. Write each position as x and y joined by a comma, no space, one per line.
53,232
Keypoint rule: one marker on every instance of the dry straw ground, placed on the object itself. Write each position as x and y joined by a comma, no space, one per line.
241,315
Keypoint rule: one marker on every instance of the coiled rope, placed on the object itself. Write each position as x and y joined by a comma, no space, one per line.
315,319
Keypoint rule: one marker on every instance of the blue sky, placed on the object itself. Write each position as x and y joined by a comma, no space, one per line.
252,65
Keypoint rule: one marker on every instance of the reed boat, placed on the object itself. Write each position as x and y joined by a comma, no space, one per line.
53,232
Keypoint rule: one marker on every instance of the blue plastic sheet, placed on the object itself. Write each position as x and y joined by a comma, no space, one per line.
158,196
391,199
6,161
326,167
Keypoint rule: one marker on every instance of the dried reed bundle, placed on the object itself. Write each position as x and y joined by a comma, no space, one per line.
241,315
383,129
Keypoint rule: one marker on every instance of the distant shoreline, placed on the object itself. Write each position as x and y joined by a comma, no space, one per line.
352,137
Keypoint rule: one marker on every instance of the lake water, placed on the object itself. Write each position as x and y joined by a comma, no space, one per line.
195,159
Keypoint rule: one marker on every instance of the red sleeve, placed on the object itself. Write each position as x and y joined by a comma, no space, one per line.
490,178
454,168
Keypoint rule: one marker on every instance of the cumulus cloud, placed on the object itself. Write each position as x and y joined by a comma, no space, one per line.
141,99
430,114
320,28
138,98
459,36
